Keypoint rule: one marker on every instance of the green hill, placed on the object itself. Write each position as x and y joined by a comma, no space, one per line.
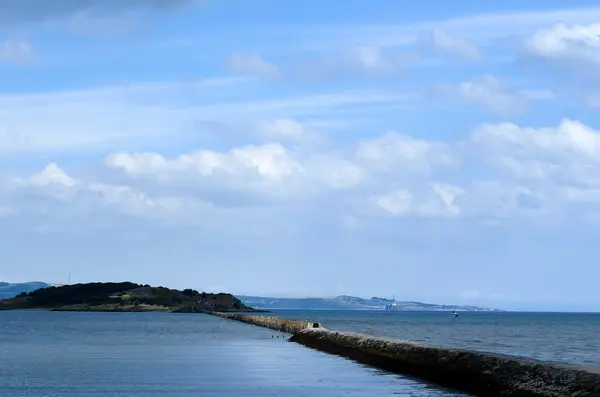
122,297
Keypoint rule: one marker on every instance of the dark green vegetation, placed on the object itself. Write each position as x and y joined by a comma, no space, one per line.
8,290
123,297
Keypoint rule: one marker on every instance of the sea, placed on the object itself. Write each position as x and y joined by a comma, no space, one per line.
54,354
571,338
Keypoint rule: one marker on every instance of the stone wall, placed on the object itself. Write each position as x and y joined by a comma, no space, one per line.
277,324
482,374
478,373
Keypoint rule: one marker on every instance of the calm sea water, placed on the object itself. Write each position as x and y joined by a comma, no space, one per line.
155,354
561,337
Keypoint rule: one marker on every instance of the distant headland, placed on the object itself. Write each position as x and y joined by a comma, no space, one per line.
123,297
10,290
342,302
345,302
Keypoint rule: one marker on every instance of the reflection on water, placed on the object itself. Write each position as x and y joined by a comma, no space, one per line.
156,354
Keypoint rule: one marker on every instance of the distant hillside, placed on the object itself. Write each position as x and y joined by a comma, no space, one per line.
122,297
8,290
345,302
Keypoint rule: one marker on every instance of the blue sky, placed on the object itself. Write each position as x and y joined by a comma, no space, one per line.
435,151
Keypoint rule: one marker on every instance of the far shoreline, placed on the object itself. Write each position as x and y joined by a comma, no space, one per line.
91,310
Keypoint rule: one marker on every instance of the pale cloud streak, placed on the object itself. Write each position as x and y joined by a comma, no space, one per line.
370,60
252,65
16,51
436,200
490,92
479,29
441,41
118,115
288,130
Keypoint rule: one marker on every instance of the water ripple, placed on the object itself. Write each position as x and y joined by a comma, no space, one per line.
561,337
156,354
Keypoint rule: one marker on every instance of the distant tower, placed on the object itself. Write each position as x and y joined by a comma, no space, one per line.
69,278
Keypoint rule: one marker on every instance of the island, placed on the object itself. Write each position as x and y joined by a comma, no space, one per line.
123,297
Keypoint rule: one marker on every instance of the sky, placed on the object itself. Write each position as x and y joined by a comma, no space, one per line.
446,152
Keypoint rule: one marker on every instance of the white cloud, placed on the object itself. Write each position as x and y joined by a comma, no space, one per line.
400,174
397,203
535,172
352,61
276,158
572,54
264,172
490,92
272,171
570,140
393,151
55,187
242,176
336,173
548,160
531,172
269,162
437,200
564,44
252,65
284,129
52,174
16,51
440,40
